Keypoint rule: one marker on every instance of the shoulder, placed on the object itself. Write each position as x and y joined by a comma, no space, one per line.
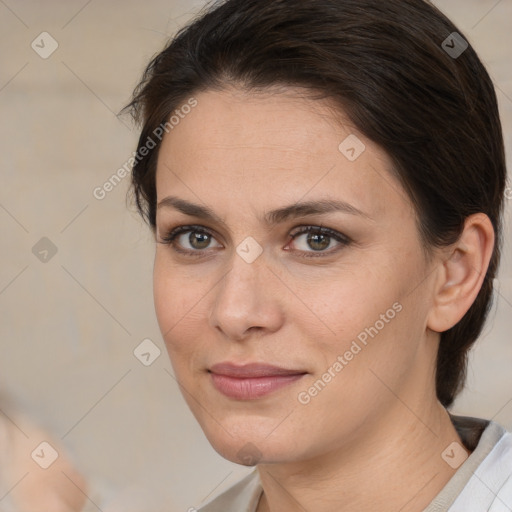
498,463
241,497
490,486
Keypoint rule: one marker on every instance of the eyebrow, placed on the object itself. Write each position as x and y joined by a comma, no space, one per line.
273,217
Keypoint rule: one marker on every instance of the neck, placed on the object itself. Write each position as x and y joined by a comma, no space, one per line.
395,464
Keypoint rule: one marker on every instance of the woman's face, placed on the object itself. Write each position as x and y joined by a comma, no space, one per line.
288,344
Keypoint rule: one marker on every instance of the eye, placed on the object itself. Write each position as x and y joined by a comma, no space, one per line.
317,239
189,239
312,241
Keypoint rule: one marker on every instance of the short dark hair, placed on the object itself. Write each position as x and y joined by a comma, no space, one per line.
383,62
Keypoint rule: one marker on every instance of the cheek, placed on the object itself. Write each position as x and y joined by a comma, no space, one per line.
180,298
367,314
347,301
164,298
173,297
176,290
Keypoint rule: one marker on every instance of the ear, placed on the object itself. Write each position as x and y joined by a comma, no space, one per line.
461,273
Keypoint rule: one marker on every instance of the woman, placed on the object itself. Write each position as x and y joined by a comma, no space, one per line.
325,183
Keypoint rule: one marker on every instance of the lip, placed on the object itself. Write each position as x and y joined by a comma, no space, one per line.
251,381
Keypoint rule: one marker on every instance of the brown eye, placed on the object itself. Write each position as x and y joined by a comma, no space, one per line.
199,240
318,242
190,239
316,239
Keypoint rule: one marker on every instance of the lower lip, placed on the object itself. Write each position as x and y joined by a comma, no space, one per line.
251,388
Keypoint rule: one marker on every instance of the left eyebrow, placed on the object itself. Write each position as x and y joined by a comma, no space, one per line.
271,218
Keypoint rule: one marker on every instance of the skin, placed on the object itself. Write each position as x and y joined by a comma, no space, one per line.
372,439
59,488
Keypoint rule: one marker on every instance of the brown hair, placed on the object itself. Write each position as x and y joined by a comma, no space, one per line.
385,65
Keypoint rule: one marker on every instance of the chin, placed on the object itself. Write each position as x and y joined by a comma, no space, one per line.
243,443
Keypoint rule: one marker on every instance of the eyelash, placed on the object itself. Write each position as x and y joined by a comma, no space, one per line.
343,240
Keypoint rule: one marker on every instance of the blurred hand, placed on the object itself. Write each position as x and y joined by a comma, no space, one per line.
24,485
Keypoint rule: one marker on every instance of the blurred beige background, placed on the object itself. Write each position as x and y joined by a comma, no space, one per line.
69,325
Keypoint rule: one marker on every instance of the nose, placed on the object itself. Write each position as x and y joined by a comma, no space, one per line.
247,300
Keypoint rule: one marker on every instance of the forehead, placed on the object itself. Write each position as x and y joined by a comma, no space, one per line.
264,146
279,120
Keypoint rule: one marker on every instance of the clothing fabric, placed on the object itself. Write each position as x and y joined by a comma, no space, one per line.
483,483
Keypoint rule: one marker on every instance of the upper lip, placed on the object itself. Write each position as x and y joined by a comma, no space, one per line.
252,370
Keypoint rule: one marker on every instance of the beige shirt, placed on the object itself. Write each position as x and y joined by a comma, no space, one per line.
482,483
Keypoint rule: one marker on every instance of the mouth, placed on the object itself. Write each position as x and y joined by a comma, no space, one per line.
251,381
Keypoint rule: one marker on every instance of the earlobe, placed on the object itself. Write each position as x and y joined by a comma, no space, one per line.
461,273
